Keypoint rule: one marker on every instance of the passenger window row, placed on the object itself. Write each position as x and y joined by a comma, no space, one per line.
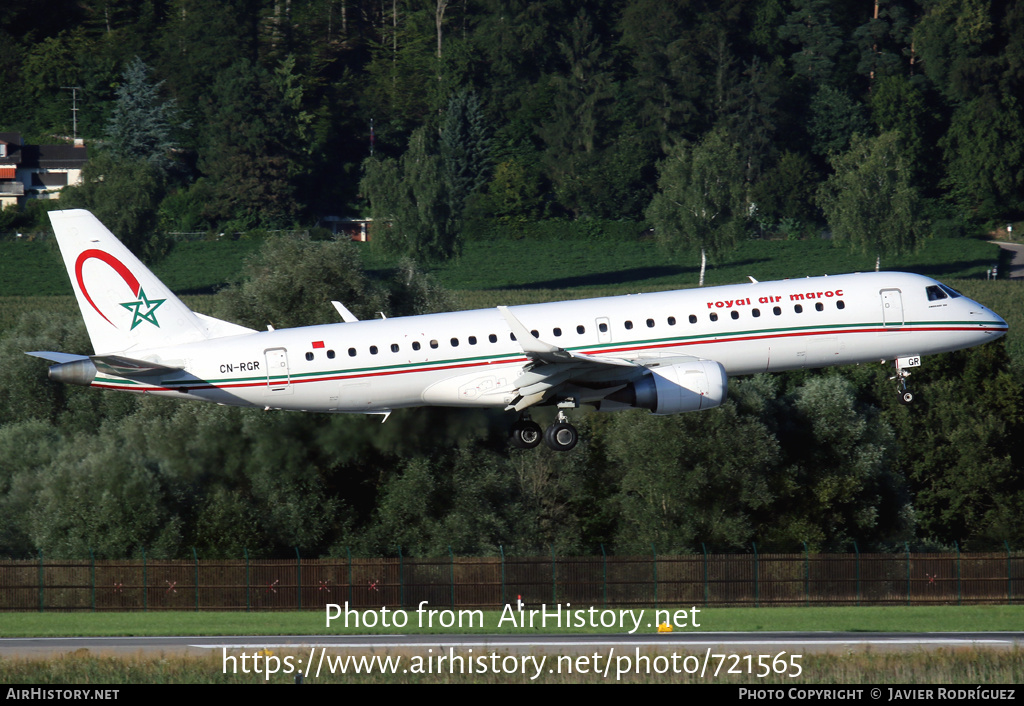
580,329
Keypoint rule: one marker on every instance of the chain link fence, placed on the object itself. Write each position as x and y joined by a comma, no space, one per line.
655,580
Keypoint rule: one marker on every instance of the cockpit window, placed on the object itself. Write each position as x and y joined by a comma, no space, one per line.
951,292
935,293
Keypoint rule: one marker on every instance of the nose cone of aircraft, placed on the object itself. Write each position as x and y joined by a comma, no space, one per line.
993,324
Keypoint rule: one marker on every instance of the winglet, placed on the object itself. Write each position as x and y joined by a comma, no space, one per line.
532,345
536,349
346,315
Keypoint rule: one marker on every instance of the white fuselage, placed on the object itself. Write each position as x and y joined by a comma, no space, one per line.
470,358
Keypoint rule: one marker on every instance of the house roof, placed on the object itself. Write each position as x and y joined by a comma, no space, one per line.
54,156
13,142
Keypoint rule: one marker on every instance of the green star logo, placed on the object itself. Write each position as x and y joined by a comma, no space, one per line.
143,310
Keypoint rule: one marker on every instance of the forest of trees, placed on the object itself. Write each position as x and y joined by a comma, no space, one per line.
882,120
441,114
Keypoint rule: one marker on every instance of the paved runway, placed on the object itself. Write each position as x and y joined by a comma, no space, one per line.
1017,261
732,642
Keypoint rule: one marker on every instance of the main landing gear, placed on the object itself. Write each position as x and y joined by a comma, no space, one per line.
560,436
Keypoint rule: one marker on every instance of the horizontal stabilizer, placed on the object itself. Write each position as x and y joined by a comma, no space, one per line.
57,357
129,367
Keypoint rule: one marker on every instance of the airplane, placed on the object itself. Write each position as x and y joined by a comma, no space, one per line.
668,352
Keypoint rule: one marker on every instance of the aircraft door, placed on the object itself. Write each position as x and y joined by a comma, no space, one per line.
604,330
278,374
892,307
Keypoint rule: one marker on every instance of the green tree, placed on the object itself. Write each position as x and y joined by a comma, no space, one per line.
140,127
810,26
897,105
690,478
961,450
870,201
576,127
125,195
885,40
984,152
252,145
410,204
786,190
465,149
837,482
835,118
292,282
950,40
699,202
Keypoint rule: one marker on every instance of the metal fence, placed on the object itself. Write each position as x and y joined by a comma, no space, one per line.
491,582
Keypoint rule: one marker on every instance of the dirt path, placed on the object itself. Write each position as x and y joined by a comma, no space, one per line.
1017,264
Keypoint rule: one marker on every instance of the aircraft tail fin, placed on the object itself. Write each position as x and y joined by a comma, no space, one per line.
124,305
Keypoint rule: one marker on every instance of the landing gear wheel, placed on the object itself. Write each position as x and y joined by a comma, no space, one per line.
561,436
906,397
525,434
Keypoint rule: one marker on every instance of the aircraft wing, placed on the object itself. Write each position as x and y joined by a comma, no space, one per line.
584,377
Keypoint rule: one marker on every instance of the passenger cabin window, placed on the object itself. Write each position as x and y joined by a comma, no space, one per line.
693,319
309,356
629,325
352,352
557,331
394,347
755,313
819,306
603,328
714,316
650,323
492,338
455,343
798,308
373,350
433,344
415,345
671,321
580,329
735,314
777,311
330,354
472,340
840,304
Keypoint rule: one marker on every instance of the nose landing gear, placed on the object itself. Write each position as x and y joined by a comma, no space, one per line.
906,396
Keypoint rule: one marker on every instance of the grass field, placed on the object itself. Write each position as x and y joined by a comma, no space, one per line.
976,666
946,668
984,666
201,267
844,619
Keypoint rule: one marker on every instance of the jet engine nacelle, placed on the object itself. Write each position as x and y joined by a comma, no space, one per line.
671,389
